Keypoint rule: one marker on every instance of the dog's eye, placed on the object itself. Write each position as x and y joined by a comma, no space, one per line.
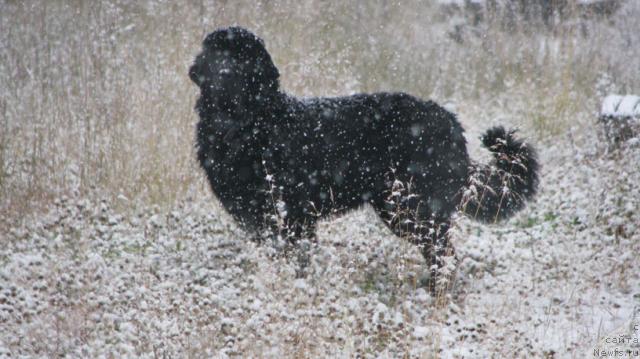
224,71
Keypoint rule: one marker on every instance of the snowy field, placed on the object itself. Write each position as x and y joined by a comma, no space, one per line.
86,281
111,246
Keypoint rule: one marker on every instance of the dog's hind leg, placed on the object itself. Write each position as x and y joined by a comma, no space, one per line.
439,254
408,217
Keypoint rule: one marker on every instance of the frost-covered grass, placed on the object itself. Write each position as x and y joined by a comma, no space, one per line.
86,280
111,244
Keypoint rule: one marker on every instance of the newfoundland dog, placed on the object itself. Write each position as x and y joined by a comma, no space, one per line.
280,163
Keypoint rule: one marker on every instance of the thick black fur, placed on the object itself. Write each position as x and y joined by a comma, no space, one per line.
279,163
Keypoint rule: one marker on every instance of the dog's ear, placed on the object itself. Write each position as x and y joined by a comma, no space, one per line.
266,69
249,46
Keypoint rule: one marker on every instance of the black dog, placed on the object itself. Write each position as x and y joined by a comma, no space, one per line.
273,159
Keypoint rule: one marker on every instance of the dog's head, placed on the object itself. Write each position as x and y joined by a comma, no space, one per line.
233,64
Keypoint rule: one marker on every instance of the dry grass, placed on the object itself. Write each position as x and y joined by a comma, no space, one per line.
94,99
94,96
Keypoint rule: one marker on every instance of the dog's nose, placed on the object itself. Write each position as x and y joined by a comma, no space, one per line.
194,76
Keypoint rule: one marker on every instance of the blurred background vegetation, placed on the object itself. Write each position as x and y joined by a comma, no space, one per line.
95,100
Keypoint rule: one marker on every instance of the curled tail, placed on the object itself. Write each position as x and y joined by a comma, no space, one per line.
498,190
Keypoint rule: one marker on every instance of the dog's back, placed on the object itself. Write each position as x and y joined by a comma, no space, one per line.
338,153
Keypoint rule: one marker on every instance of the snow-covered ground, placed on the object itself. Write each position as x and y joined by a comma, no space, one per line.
96,99
86,281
